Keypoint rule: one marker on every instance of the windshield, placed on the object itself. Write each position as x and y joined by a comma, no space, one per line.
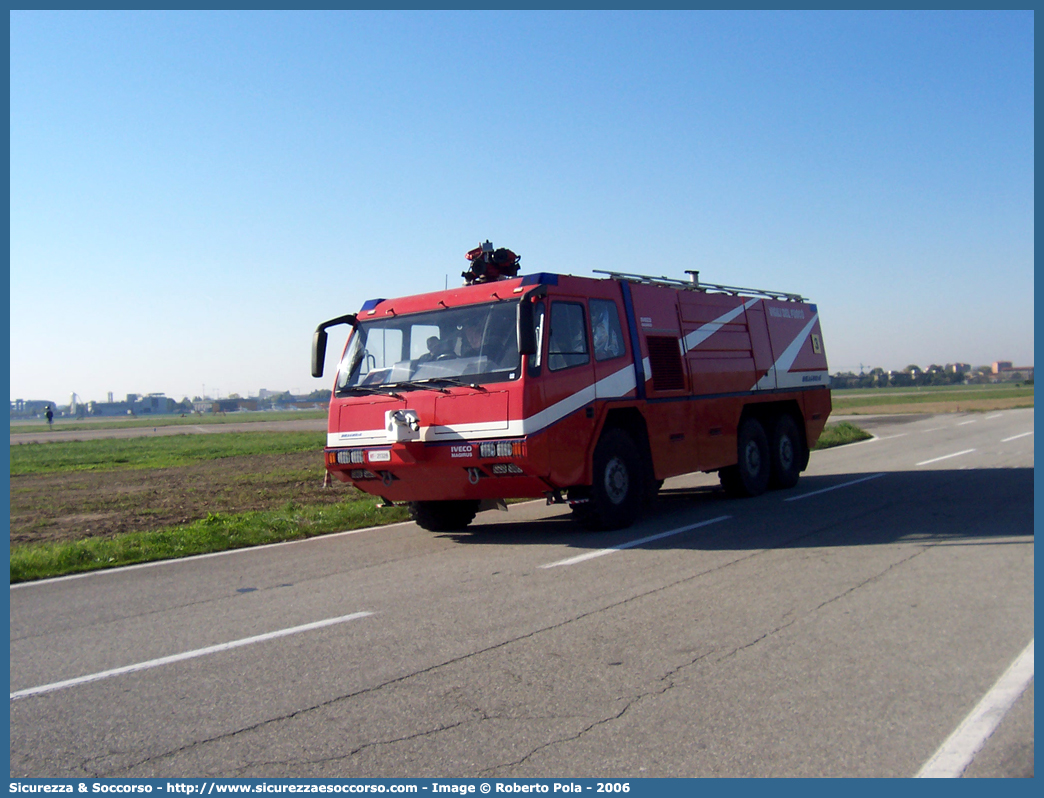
472,344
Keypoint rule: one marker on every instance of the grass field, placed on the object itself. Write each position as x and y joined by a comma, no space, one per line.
125,422
212,533
111,454
935,399
840,434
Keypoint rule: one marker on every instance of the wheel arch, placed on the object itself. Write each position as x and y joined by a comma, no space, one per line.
631,421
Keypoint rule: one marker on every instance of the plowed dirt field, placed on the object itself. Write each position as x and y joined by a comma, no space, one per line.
81,504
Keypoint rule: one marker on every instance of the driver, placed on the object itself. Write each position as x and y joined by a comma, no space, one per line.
471,337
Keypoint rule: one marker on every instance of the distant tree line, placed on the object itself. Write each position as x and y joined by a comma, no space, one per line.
914,375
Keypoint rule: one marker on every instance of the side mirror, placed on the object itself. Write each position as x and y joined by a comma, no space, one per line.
318,352
527,342
319,342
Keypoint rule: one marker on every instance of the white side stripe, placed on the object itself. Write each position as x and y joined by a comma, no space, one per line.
616,385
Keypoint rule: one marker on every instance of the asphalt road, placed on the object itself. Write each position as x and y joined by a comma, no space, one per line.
844,628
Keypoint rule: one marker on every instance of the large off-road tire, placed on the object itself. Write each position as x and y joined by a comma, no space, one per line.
786,453
447,516
619,483
750,475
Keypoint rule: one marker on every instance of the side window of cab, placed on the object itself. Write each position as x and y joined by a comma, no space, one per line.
606,332
567,339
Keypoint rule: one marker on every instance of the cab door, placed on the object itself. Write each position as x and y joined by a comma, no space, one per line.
566,377
614,374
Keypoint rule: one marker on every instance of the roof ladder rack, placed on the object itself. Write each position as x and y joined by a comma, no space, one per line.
694,284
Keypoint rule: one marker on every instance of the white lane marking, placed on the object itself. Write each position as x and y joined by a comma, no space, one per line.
833,487
972,421
1016,437
858,443
957,752
995,415
631,544
873,439
945,457
199,652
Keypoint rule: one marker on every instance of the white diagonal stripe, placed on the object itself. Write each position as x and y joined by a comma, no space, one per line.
701,334
786,360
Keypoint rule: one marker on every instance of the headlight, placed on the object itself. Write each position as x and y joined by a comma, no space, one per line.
502,449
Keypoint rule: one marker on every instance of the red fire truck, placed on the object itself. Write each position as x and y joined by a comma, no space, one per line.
589,391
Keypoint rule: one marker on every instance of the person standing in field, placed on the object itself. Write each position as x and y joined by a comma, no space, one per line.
50,417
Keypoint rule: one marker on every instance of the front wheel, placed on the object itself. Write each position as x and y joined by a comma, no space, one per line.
619,484
445,516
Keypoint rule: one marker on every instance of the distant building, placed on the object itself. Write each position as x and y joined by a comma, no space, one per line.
232,405
108,409
155,404
31,408
1004,371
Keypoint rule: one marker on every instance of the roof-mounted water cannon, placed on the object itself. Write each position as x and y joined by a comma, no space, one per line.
488,264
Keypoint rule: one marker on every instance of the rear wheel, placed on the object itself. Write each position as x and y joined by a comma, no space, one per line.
446,516
786,453
750,475
619,484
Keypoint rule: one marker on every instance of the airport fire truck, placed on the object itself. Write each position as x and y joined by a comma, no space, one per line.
589,391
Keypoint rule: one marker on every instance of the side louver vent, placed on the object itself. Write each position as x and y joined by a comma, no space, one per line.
666,363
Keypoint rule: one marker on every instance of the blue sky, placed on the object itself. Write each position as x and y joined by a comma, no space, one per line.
191,193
